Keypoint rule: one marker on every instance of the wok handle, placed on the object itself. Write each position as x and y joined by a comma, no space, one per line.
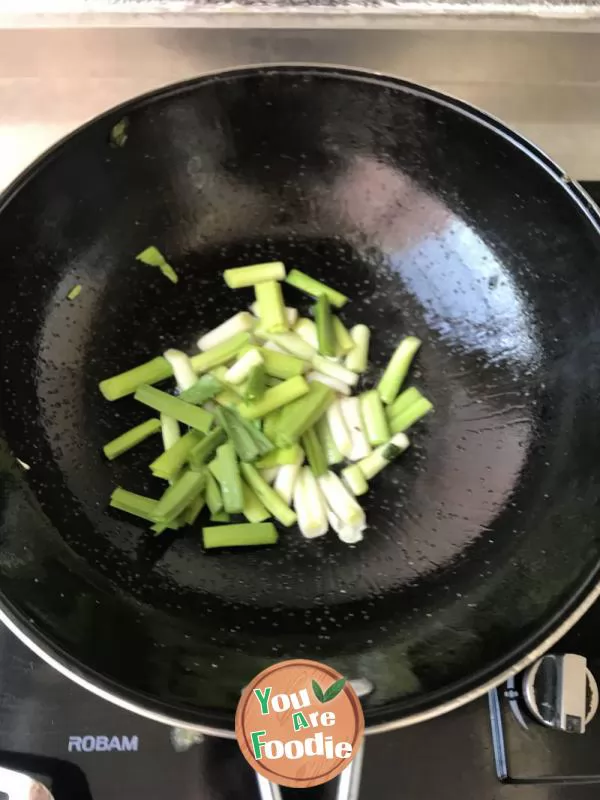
18,786
266,789
348,787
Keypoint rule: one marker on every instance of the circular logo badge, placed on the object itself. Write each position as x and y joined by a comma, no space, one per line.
299,723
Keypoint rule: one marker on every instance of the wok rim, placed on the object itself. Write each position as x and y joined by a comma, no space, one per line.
521,656
95,687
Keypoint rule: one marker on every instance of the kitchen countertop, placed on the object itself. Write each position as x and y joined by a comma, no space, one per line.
341,14
546,85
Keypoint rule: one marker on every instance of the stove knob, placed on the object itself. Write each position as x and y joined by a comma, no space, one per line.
561,692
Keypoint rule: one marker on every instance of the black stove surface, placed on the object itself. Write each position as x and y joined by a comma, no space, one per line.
45,719
85,748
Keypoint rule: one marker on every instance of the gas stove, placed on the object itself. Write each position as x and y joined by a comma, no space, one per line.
83,748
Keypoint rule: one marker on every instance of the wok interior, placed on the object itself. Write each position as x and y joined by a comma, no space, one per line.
434,225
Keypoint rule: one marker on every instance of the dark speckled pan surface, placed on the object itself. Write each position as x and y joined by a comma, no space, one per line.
437,222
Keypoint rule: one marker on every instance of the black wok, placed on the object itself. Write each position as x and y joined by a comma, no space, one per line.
484,538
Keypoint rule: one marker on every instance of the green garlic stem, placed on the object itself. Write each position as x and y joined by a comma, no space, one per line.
381,457
271,308
214,501
204,449
154,258
131,438
344,342
302,414
243,322
401,422
335,370
229,479
325,329
184,412
403,401
358,358
275,397
374,418
285,455
282,365
170,430
240,535
178,496
256,385
204,389
315,455
241,277
332,454
169,464
355,480
158,369
253,509
221,354
268,496
303,282
397,369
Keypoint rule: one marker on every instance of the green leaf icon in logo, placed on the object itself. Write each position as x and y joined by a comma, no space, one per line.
329,694
334,690
318,692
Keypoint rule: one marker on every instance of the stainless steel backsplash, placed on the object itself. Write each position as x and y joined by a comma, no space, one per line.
545,84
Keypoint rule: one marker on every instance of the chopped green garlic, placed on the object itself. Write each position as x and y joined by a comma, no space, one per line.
309,505
340,501
397,369
170,431
131,438
154,258
344,342
220,353
326,338
355,480
339,430
334,370
243,366
332,454
269,407
350,407
285,481
290,342
315,288
268,496
346,533
307,330
339,386
374,418
181,364
240,277
381,457
238,323
239,535
74,292
403,421
271,307
275,397
291,314
154,371
358,358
